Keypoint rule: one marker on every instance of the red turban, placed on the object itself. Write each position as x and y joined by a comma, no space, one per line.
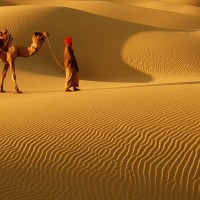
68,40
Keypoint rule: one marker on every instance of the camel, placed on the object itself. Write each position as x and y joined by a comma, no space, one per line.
14,51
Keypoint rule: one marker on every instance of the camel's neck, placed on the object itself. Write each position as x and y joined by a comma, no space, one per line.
28,51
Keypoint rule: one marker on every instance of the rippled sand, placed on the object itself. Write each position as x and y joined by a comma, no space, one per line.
133,131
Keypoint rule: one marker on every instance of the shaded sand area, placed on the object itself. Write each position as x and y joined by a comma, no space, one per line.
133,131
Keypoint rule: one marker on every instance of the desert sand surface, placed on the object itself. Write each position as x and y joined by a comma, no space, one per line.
133,131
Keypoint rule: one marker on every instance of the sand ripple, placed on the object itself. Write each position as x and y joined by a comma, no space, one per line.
119,152
134,137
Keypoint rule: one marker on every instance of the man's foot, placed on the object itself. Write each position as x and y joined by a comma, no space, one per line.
76,89
67,90
18,92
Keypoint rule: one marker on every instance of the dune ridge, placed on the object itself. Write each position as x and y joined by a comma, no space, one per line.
132,132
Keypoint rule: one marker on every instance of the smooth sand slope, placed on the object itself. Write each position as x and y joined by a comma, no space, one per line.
133,131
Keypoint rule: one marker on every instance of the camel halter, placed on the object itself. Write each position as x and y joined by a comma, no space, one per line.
54,54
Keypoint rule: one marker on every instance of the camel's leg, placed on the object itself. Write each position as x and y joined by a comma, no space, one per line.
3,76
12,68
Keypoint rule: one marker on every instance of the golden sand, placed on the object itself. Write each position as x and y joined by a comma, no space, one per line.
133,131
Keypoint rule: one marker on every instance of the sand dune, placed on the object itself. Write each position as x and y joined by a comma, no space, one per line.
133,131
165,6
157,2
188,2
133,146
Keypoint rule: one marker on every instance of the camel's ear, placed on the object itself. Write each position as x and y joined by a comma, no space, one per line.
37,33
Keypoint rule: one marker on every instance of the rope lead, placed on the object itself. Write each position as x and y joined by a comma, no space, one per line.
54,54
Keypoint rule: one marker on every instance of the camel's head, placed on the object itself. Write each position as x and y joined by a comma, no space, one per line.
40,36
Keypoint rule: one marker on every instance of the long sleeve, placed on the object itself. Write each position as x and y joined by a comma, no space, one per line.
69,58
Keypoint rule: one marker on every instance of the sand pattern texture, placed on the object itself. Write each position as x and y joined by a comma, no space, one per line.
133,131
